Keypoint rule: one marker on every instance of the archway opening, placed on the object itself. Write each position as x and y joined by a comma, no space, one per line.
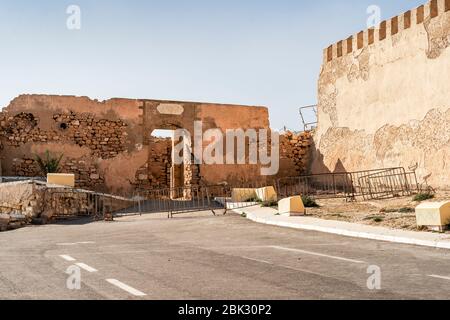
161,167
159,164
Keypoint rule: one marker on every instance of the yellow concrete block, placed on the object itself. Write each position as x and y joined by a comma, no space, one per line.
433,214
267,194
242,194
292,206
62,179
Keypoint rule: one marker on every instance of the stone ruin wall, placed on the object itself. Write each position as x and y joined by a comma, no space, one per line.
294,153
109,148
97,139
30,202
384,97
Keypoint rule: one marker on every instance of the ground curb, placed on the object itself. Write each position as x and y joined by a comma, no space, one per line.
348,233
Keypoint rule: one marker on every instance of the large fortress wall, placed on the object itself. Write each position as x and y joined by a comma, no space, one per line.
384,97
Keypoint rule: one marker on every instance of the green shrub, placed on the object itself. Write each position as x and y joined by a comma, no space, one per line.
269,204
423,196
48,163
401,210
309,202
254,200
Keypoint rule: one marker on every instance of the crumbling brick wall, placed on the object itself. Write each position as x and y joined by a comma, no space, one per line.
109,147
294,153
156,172
88,137
104,137
108,144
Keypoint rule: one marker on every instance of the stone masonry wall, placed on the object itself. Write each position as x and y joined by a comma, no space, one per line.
26,202
156,172
295,153
108,144
106,139
93,138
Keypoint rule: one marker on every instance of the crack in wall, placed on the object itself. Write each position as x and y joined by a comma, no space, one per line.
426,142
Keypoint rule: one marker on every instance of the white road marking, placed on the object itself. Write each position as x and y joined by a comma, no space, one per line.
74,243
86,267
290,268
439,277
125,287
317,254
67,258
258,260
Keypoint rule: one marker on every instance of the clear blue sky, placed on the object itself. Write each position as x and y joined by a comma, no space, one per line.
255,52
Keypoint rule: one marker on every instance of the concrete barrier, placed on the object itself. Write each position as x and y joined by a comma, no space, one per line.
243,194
62,179
433,214
267,194
292,206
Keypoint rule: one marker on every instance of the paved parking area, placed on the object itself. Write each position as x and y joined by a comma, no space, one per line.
199,256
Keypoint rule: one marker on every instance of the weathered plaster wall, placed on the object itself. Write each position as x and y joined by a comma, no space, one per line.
384,97
109,147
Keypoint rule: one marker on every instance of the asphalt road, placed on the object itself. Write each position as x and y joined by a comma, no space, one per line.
199,256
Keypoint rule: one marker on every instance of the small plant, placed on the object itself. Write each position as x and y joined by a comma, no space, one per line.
423,196
337,215
254,199
375,218
309,202
401,210
49,163
244,215
269,204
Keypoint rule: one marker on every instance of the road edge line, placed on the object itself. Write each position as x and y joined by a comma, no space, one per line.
347,233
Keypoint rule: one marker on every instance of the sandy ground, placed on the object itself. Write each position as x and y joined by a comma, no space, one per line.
396,213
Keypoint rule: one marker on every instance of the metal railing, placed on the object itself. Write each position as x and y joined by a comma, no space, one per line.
369,184
392,183
174,201
6,179
75,203
307,124
187,199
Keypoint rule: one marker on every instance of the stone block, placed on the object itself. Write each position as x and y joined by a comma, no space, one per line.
242,194
94,176
292,206
267,194
63,179
4,219
433,214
